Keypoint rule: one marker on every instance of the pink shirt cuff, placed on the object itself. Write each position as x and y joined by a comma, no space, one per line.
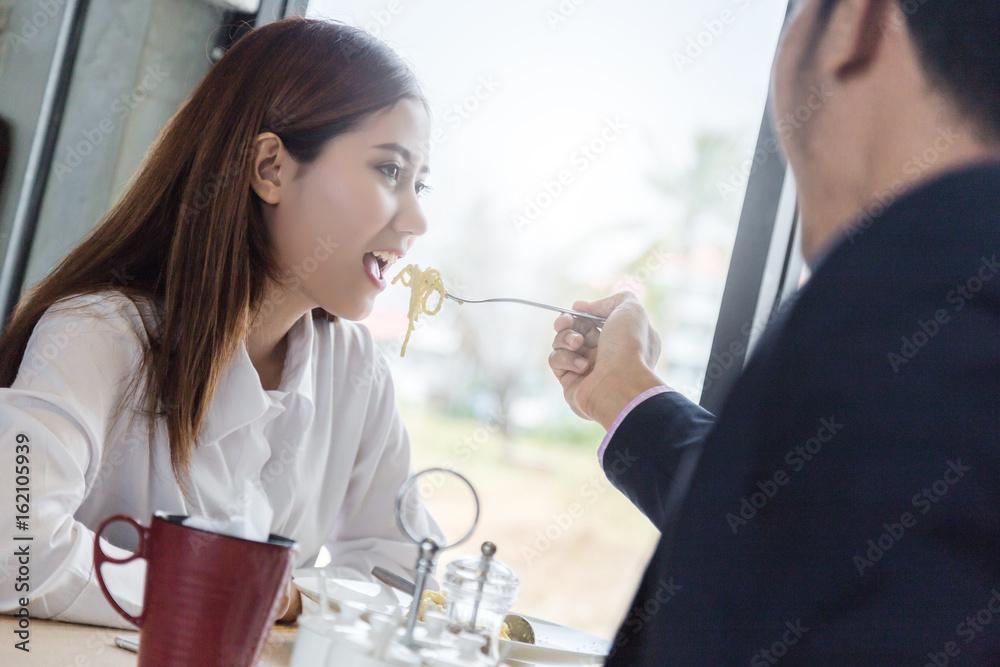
625,413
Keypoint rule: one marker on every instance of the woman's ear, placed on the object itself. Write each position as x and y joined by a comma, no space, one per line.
272,167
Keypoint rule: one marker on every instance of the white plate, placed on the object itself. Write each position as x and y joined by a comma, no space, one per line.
554,644
559,645
375,596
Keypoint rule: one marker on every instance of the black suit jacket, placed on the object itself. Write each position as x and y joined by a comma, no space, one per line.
845,509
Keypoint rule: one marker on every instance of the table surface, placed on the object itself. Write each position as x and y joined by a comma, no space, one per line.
55,644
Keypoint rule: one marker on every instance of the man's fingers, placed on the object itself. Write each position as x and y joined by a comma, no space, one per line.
568,339
581,324
563,322
573,340
604,307
565,361
592,336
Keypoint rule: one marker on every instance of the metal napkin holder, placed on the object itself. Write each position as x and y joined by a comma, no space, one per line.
428,547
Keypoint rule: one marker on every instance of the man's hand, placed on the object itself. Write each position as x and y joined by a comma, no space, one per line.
602,371
291,604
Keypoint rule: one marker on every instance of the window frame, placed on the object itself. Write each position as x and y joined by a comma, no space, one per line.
763,270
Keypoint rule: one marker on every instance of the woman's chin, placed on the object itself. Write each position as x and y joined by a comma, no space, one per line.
356,311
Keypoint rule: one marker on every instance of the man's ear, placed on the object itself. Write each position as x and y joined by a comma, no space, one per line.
272,167
859,29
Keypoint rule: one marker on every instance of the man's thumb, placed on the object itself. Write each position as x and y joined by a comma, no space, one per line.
604,307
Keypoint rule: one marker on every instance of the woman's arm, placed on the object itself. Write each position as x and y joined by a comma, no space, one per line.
73,371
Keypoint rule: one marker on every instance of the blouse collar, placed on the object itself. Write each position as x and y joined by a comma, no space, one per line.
240,399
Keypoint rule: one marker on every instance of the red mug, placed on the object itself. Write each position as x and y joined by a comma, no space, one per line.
209,599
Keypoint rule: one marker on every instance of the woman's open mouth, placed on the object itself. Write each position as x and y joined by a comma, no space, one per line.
376,263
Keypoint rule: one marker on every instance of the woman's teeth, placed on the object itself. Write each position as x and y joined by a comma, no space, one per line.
387,259
377,263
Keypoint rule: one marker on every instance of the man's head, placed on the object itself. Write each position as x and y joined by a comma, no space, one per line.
873,97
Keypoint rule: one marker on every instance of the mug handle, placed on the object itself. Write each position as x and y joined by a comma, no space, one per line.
100,558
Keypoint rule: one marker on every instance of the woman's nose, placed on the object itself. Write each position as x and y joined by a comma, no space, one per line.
411,219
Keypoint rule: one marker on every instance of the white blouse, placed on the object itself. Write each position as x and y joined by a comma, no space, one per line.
321,457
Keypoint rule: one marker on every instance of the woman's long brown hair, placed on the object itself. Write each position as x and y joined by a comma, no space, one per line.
188,234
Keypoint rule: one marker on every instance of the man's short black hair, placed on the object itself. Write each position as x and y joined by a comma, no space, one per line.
959,45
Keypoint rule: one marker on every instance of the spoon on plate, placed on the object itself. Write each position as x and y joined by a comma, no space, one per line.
519,627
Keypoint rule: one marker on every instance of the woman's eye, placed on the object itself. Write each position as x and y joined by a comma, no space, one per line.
422,189
391,171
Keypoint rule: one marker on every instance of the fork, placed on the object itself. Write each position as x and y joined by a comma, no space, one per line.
567,311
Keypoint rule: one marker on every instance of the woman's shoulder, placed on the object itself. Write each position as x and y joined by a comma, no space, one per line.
101,332
108,310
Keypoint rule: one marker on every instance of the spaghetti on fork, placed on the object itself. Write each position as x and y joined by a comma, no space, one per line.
422,283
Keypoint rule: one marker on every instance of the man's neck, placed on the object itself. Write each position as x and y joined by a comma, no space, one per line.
896,163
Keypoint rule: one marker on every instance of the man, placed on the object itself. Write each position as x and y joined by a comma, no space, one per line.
843,508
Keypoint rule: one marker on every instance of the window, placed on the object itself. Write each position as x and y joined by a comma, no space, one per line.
580,148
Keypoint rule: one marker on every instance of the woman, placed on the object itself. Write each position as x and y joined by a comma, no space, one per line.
189,355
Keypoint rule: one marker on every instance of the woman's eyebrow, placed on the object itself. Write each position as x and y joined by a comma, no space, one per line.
404,153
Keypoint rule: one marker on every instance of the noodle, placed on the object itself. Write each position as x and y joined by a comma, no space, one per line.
433,599
422,284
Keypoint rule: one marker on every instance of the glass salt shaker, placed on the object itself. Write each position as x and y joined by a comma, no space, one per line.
480,591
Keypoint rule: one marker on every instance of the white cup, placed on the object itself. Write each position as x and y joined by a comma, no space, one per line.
312,644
